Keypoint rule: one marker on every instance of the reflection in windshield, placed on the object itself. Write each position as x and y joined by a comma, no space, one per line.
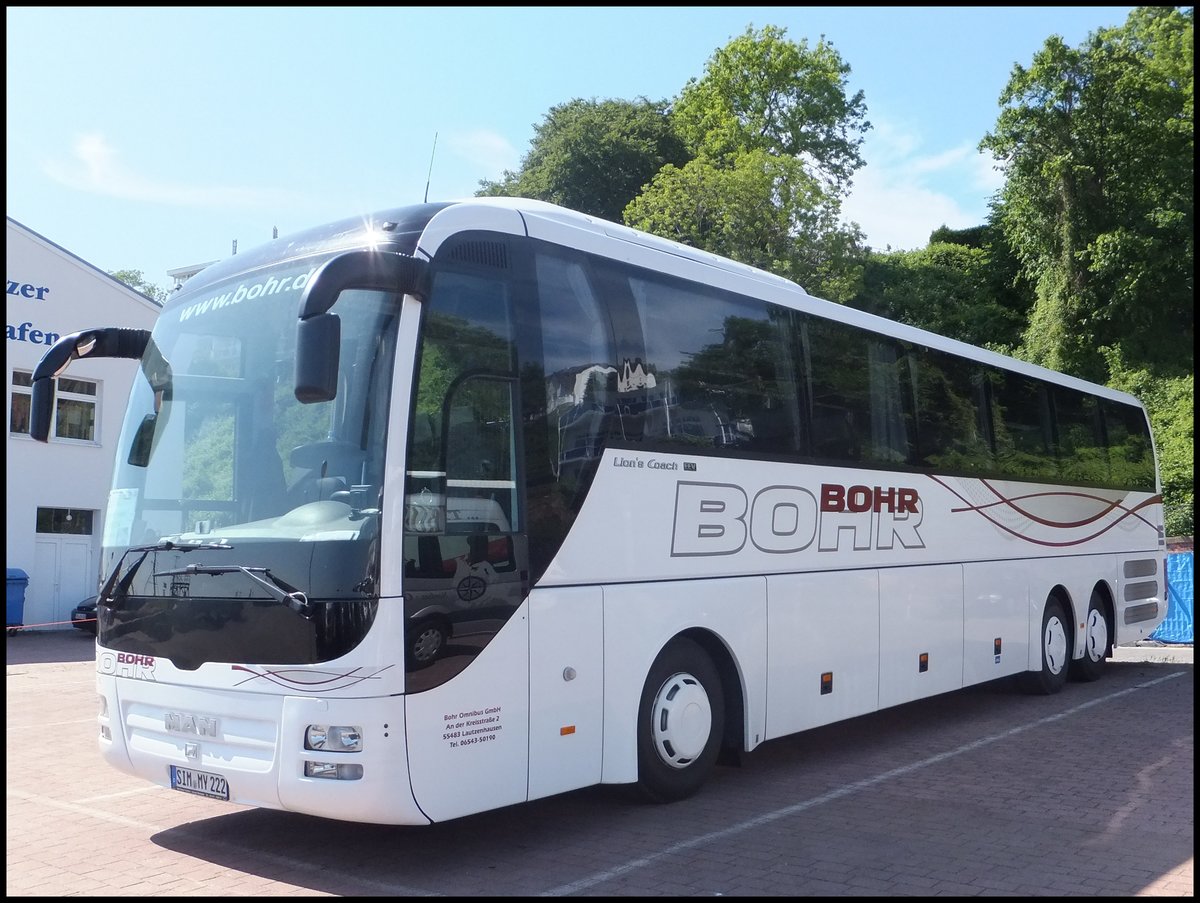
463,545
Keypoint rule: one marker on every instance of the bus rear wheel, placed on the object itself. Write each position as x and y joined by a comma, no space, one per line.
1096,637
681,720
1056,652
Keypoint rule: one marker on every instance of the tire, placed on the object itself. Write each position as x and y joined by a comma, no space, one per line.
1055,645
681,720
1097,634
426,641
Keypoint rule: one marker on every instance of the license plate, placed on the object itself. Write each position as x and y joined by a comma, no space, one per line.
201,783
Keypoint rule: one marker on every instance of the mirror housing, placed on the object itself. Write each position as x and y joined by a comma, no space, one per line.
112,341
318,332
143,441
318,346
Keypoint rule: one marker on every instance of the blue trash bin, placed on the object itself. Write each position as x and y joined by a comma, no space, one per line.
15,604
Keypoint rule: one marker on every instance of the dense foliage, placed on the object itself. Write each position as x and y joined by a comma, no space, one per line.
594,156
1098,145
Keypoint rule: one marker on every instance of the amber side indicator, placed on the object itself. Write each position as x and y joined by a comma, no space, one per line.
826,683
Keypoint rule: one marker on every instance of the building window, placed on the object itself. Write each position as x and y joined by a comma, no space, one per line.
64,520
18,415
74,407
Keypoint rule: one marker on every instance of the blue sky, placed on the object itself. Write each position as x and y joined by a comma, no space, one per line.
150,139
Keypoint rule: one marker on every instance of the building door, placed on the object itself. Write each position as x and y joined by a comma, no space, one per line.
64,572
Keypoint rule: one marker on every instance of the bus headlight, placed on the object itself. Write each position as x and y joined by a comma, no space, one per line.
333,738
333,770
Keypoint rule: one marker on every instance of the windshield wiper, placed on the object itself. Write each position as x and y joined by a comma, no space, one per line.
163,545
278,589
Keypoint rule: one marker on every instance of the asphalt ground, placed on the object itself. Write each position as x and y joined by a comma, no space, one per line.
981,792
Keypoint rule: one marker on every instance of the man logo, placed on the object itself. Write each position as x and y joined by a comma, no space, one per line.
185,723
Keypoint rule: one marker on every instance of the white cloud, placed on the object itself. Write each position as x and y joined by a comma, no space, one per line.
988,176
486,149
94,167
901,195
899,214
951,159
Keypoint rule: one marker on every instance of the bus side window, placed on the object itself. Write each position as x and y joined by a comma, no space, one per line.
838,367
1079,438
892,433
952,431
480,465
716,372
1130,451
579,374
1022,423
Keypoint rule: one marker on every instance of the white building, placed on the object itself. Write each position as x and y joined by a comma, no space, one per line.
56,492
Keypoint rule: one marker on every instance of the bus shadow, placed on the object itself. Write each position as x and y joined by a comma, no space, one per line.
476,855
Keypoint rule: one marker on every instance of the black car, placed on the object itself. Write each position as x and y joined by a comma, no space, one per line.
83,616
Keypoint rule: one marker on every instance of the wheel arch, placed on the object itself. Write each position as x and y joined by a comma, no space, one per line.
732,688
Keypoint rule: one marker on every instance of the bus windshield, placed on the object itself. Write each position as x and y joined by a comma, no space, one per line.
216,452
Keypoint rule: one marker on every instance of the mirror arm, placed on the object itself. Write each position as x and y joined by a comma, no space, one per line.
110,342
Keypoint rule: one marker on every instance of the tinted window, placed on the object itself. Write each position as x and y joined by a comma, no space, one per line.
1023,427
716,371
1082,455
952,432
838,389
1130,451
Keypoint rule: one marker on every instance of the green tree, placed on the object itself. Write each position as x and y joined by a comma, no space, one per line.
1006,281
594,156
1097,144
756,208
947,288
720,209
762,91
775,138
138,282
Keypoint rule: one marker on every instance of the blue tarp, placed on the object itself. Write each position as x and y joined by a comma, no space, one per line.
1179,626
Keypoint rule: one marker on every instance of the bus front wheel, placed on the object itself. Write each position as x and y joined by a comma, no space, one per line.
1056,652
681,720
1096,638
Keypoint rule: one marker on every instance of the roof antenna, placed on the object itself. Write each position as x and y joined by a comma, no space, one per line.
430,176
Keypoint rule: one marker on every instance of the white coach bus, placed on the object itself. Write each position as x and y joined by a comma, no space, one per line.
465,504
